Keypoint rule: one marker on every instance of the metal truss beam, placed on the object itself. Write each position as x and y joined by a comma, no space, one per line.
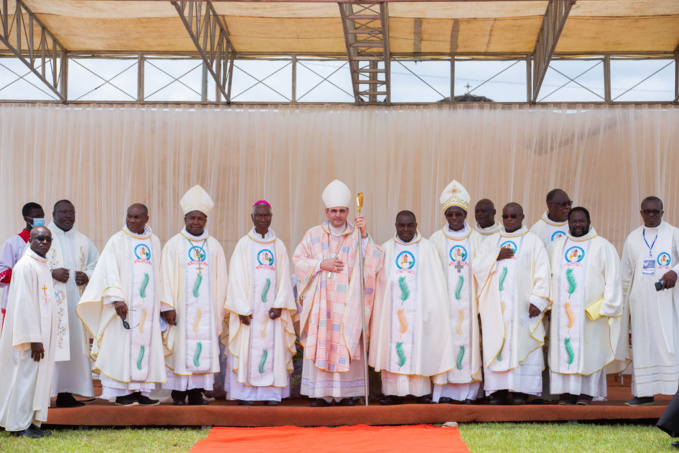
211,38
32,43
366,34
553,23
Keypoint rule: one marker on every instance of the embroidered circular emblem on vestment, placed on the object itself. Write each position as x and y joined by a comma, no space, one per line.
574,254
664,259
405,260
197,253
557,235
142,252
509,244
458,253
265,257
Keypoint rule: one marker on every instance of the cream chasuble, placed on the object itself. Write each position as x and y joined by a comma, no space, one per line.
456,251
549,231
128,270
585,272
507,289
195,283
261,353
31,318
409,332
487,232
653,314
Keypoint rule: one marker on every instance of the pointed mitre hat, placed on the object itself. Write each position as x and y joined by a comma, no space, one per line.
455,195
336,194
196,199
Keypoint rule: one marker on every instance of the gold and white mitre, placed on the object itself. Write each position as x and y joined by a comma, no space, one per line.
196,199
455,195
336,194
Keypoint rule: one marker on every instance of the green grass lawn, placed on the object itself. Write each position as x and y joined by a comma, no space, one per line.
552,437
480,437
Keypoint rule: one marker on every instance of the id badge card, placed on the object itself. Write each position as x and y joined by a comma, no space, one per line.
649,266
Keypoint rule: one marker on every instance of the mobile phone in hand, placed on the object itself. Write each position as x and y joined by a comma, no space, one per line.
658,285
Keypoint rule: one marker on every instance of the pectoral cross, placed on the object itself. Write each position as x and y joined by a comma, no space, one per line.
200,268
459,266
44,290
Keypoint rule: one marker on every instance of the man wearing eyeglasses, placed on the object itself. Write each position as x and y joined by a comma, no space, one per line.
512,271
121,308
554,222
13,249
28,344
71,259
649,276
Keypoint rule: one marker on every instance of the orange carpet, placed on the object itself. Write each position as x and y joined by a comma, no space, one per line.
357,438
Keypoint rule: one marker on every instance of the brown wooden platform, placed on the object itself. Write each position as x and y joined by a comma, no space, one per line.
298,413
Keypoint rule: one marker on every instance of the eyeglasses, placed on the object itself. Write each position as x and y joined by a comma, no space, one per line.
44,238
510,216
126,324
651,212
563,204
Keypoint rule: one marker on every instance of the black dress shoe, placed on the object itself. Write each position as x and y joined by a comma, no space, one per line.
44,432
271,403
423,400
127,400
519,399
469,402
584,400
67,400
246,403
675,444
28,432
445,400
196,398
178,398
346,402
319,402
391,400
566,400
640,401
144,400
498,398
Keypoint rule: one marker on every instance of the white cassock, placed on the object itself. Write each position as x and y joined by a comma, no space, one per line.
12,251
74,251
549,231
128,270
456,251
260,355
653,314
410,341
31,318
487,232
512,342
585,274
195,282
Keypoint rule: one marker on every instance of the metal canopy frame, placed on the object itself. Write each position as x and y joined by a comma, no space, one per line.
366,33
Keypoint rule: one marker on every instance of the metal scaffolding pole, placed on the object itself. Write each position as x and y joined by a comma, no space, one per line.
553,23
34,45
211,38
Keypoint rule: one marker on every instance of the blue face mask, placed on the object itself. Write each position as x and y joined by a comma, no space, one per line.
38,223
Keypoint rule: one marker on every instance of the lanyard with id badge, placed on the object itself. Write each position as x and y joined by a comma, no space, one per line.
649,264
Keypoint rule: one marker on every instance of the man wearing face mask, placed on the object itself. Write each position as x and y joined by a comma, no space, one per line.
586,312
195,282
410,341
13,249
72,260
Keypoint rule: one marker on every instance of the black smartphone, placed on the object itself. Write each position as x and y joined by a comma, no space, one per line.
658,285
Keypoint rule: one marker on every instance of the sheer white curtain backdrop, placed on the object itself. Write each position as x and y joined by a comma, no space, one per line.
105,157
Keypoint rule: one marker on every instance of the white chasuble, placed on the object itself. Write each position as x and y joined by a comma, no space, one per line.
409,332
195,282
127,271
31,318
260,355
548,230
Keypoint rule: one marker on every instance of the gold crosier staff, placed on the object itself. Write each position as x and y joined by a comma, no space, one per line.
359,205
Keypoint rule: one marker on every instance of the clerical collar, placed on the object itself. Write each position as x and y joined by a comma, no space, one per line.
462,234
191,237
53,226
520,232
652,229
546,219
488,231
145,235
591,234
414,240
268,238
35,256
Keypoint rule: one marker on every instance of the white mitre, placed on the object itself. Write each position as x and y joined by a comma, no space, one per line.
196,199
336,194
455,195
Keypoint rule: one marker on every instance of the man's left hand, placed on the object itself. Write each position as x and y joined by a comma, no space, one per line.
669,280
37,351
275,313
361,225
533,311
81,278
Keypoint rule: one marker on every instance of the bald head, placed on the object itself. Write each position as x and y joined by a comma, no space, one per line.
484,213
41,240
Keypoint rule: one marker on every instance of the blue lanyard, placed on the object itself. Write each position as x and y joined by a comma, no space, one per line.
650,247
